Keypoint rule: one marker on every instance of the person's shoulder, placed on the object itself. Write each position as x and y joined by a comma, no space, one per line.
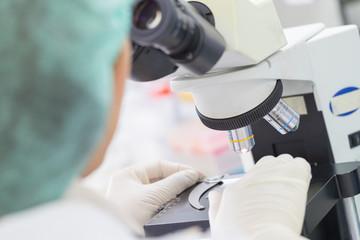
63,219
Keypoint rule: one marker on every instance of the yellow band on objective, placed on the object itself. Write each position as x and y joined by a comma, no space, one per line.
242,139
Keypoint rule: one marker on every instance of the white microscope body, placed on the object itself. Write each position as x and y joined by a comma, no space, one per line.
318,60
315,60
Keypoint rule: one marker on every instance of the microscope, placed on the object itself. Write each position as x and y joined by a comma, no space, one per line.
290,91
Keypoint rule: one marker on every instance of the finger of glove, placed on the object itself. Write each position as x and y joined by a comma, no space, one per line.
174,184
271,161
273,231
143,173
163,169
134,174
285,165
215,201
274,193
283,159
257,232
284,168
282,172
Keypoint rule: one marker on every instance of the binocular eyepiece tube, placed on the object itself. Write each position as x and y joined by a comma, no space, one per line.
175,28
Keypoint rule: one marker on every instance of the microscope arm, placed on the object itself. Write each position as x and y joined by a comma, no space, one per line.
224,94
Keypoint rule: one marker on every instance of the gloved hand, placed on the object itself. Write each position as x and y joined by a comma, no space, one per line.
268,202
138,191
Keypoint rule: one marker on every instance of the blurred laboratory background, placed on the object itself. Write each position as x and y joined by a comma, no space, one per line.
330,12
156,124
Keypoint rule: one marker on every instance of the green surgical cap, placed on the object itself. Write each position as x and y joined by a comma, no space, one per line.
56,79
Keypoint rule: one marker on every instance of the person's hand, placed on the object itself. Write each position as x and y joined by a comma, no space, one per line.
138,191
268,202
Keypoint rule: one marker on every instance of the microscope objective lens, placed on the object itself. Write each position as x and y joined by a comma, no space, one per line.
241,140
283,118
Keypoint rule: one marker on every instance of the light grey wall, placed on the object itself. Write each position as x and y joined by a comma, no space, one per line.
300,12
352,12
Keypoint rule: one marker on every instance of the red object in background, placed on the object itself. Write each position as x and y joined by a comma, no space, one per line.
161,91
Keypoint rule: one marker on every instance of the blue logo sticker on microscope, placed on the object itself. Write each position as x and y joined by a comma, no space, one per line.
344,91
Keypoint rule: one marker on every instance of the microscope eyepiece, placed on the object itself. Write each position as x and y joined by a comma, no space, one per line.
147,15
178,30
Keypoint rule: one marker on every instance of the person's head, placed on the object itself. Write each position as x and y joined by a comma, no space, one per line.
57,101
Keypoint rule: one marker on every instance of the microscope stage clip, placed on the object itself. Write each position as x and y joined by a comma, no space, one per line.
201,189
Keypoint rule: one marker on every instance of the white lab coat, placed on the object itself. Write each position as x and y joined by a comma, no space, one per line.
63,219
81,215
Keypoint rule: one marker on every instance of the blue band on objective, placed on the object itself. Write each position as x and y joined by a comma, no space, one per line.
288,122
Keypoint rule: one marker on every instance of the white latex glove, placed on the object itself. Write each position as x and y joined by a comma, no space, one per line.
138,191
268,202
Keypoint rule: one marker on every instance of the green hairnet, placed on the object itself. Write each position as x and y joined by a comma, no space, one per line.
56,79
